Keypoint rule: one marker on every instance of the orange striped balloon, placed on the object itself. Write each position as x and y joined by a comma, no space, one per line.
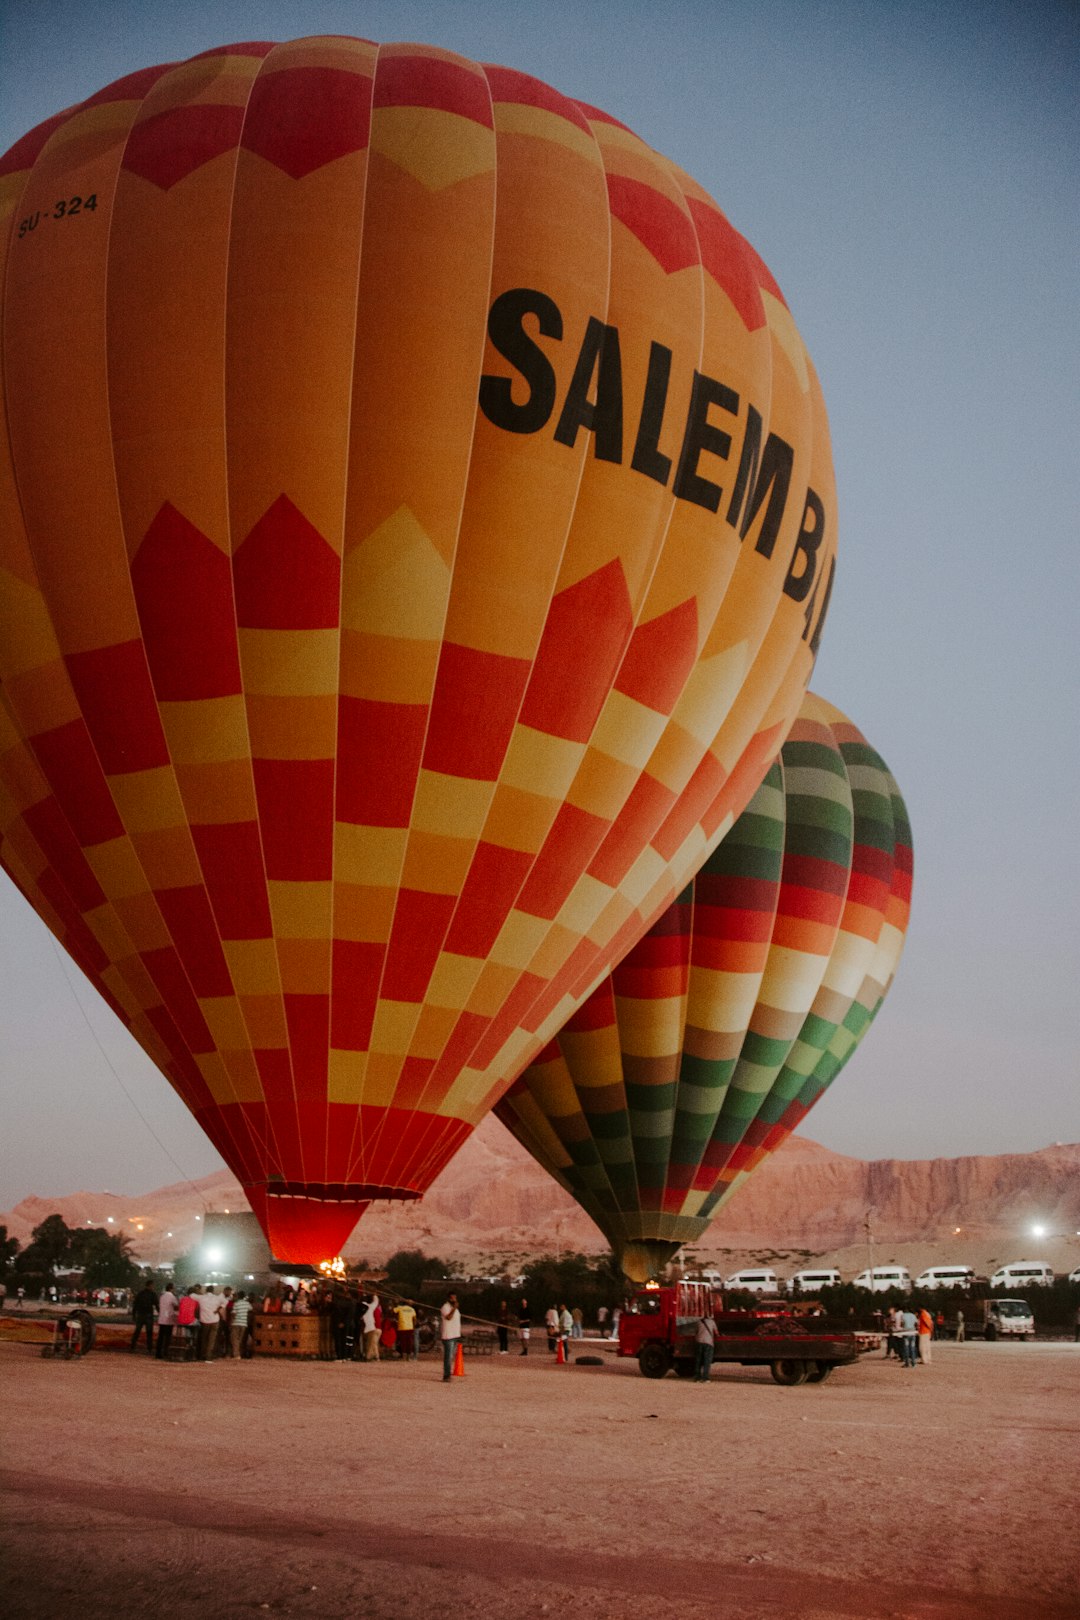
417,529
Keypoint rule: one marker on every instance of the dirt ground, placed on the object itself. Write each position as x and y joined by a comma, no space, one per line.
349,1492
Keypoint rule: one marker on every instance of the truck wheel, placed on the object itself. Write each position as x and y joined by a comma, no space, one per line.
788,1372
654,1360
991,1333
819,1372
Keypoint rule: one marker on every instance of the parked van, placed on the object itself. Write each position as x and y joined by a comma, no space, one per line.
757,1280
807,1282
946,1277
1074,1276
1023,1273
883,1278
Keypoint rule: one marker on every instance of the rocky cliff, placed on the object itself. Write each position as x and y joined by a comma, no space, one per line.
494,1206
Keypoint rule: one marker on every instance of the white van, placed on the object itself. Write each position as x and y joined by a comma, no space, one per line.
946,1277
1023,1273
756,1280
807,1282
883,1278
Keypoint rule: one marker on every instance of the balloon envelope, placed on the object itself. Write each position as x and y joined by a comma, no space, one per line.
416,529
712,1039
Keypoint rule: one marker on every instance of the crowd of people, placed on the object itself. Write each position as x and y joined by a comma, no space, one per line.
204,1322
909,1334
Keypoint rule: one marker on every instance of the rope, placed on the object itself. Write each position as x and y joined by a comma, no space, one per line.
62,958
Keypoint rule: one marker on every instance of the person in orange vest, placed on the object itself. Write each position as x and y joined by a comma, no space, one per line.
926,1334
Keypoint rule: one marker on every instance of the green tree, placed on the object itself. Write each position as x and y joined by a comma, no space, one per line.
409,1268
9,1248
49,1249
106,1259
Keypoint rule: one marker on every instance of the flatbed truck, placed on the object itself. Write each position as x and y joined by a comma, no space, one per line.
659,1328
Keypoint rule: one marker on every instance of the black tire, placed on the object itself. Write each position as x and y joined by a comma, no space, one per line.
991,1334
588,1361
684,1368
819,1372
788,1373
654,1360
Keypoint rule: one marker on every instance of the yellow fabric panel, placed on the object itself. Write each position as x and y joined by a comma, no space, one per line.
396,583
148,801
252,965
301,910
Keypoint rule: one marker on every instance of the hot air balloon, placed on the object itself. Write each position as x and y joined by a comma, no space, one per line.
417,529
708,1044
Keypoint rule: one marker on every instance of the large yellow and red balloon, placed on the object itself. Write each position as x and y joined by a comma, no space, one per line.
717,1033
417,528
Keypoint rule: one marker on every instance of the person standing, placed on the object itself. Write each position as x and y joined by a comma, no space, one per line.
704,1348
578,1329
144,1309
187,1320
524,1323
551,1320
566,1328
210,1308
239,1320
450,1334
926,1335
502,1327
908,1334
406,1331
601,1320
168,1305
370,1327
960,1326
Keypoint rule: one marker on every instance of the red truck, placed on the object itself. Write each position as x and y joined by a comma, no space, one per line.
659,1327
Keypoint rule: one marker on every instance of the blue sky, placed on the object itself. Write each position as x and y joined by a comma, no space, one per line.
909,173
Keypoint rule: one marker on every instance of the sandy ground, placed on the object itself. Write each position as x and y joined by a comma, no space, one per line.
349,1492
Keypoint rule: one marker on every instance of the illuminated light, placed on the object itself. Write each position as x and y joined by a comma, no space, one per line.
332,1268
652,1285
168,1234
227,1212
1038,1231
198,1217
110,1220
215,1256
138,1226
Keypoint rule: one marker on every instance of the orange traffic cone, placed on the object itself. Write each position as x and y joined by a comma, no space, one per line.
459,1362
560,1356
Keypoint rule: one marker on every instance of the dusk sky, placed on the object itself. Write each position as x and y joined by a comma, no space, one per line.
909,174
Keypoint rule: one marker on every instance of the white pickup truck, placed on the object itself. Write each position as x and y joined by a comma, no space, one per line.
995,1319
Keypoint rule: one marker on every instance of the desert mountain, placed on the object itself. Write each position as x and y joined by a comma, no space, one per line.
493,1204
